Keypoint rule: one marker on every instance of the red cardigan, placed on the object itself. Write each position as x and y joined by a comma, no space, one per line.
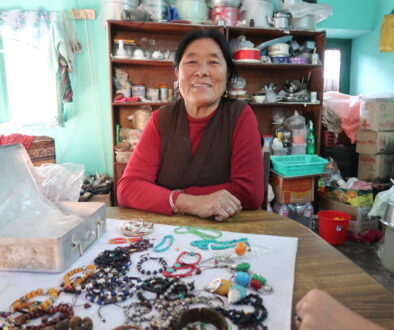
137,187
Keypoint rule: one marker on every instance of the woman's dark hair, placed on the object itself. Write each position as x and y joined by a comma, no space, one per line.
219,39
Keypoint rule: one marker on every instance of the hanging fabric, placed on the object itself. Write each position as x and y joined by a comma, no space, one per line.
51,33
386,43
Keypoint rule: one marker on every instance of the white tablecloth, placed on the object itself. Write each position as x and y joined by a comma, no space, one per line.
272,256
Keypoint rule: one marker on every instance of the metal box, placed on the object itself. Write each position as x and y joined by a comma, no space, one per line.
31,247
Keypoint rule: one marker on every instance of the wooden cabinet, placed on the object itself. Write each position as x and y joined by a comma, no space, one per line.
151,73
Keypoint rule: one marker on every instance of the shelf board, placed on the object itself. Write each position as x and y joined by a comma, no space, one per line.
142,62
250,31
305,104
133,104
275,66
156,27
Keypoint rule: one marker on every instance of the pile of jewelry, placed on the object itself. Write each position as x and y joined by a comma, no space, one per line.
152,291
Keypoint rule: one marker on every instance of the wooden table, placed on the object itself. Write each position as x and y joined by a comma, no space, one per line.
318,264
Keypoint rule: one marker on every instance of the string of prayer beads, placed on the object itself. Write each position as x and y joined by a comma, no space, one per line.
24,301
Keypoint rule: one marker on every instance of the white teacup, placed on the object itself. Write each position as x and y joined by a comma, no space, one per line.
138,53
157,55
259,98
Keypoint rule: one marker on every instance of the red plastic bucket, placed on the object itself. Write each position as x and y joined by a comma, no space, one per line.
333,226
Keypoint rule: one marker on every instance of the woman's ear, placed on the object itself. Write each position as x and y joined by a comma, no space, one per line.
176,73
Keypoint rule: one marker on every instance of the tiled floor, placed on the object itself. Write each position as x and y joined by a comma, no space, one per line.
366,257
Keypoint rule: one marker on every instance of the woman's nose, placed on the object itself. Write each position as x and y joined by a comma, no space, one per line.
202,70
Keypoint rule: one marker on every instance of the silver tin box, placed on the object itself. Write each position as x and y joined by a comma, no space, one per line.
36,234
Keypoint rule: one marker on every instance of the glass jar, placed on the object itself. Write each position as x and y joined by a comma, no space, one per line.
163,92
128,45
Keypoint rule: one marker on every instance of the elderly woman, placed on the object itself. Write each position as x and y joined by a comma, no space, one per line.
200,155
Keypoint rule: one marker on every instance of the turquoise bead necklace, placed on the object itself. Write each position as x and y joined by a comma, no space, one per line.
207,244
199,231
166,241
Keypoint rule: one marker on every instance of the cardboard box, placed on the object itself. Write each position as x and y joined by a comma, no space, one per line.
356,198
293,190
375,168
377,115
359,215
370,142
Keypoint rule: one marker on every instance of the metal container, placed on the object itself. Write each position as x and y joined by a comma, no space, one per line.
388,248
27,224
388,218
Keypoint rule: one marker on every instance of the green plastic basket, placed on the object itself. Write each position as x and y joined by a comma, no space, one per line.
296,165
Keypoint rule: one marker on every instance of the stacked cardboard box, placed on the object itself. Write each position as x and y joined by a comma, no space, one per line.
375,140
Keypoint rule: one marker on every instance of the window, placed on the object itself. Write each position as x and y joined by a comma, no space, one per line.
31,85
332,70
34,61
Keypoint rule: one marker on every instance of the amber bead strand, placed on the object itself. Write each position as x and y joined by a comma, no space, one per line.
23,302
70,285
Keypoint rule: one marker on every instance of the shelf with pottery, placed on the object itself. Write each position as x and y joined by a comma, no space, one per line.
276,66
142,62
288,104
153,72
136,104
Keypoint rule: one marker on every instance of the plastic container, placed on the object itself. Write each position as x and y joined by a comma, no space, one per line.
333,226
297,165
122,156
298,136
112,9
298,149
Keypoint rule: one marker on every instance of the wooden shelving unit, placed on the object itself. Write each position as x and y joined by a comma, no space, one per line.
167,36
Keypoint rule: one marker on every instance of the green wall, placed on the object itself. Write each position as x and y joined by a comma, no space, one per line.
350,18
87,136
372,71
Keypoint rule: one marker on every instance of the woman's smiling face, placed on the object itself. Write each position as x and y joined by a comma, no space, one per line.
202,74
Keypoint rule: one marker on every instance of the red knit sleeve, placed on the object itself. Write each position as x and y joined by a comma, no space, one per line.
137,187
247,178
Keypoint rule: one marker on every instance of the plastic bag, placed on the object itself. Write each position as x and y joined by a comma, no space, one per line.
380,202
386,43
295,122
61,182
319,11
347,108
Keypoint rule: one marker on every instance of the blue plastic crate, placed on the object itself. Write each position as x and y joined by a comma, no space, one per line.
296,165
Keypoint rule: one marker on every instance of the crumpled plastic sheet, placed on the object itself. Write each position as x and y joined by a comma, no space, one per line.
61,182
319,11
24,209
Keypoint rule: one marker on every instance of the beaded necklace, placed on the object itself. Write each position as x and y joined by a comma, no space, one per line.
159,248
182,264
207,244
139,246
65,311
111,288
23,302
249,319
136,312
112,258
199,231
71,285
145,258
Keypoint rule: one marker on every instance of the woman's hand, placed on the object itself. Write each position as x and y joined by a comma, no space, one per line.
220,204
318,310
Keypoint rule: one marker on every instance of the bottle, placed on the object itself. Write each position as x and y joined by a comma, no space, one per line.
308,215
310,148
283,210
